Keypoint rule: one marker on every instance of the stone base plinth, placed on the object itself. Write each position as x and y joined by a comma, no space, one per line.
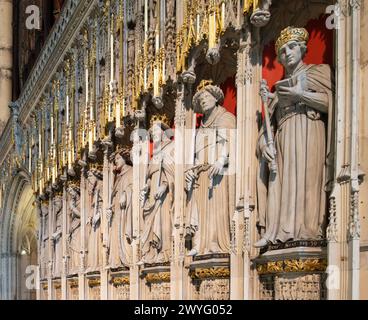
292,273
210,276
94,286
120,284
157,279
73,288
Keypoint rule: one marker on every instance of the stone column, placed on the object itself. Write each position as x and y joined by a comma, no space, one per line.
243,224
363,152
6,60
354,224
64,239
343,231
177,275
135,282
82,277
104,224
50,289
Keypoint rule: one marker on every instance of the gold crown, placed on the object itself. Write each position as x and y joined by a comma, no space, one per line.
160,118
58,194
123,151
203,84
96,166
291,34
73,184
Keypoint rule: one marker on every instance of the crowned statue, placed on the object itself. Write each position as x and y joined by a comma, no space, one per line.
210,185
157,195
294,147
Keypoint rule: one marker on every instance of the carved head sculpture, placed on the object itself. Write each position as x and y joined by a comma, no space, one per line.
94,174
44,208
291,46
207,97
159,128
121,157
58,203
74,190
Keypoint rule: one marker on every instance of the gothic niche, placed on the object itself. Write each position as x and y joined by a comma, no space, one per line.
157,195
210,187
74,227
292,146
295,150
93,224
119,213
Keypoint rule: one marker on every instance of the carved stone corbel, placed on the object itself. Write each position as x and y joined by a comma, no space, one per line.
261,15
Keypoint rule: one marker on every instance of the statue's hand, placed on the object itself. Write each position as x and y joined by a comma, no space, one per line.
267,153
190,177
109,214
215,169
89,221
95,219
142,195
123,201
291,94
161,191
264,90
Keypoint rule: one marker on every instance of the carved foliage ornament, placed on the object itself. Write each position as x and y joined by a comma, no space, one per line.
292,265
158,277
210,273
120,281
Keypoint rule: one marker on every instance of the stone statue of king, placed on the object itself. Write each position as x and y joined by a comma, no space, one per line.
292,195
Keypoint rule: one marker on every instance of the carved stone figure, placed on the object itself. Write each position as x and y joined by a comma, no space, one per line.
210,185
94,182
292,200
120,212
74,240
44,250
157,196
57,236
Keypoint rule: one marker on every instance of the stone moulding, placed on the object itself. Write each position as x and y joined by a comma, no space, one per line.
73,284
292,265
57,285
95,282
210,273
295,244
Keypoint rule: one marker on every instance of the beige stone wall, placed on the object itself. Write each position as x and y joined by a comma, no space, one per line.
6,43
363,152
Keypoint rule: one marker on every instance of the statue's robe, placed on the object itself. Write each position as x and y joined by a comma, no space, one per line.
120,249
44,250
157,213
292,202
58,246
74,243
211,204
94,258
